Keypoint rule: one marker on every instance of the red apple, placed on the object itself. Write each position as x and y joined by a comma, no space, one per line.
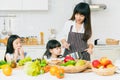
67,58
96,63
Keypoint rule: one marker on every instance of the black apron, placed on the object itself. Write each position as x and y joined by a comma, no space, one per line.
77,44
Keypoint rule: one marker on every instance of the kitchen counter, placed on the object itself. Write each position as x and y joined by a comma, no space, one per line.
35,51
20,75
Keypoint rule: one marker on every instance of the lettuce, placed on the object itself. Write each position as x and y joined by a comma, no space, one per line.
32,68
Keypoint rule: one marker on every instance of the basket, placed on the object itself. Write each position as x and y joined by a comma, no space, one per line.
105,71
54,62
75,69
112,41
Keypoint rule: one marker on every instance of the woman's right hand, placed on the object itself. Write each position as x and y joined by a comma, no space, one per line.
65,44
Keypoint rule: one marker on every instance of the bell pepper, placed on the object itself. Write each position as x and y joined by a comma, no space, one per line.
67,58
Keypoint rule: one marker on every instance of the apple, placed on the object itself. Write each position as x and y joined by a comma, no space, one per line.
96,63
105,61
101,67
80,63
109,66
67,58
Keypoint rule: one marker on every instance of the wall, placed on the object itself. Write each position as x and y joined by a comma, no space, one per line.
104,23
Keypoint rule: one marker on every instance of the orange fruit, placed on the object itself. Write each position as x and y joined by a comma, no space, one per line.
53,70
60,73
7,70
60,70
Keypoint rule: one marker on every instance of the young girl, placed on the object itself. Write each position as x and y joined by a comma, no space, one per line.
14,50
77,32
53,50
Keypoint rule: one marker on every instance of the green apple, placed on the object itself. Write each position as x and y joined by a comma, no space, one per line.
70,65
80,63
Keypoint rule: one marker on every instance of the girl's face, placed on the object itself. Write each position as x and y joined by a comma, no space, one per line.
17,43
79,18
56,51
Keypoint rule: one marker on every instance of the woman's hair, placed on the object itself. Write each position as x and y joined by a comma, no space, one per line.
9,47
84,9
50,45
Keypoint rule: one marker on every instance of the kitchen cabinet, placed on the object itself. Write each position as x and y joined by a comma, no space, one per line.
34,51
10,4
23,5
2,52
110,51
35,5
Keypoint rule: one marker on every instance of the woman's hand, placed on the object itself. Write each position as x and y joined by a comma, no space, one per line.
65,44
89,50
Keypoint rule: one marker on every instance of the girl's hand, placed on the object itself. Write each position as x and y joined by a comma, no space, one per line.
16,53
21,53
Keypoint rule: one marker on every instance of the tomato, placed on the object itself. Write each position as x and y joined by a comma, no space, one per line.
7,70
67,58
53,70
47,68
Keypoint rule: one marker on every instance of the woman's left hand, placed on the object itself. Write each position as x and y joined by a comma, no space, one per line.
89,50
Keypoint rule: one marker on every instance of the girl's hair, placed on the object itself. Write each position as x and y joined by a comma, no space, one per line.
50,45
84,9
9,47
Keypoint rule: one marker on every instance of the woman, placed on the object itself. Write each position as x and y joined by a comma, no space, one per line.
77,32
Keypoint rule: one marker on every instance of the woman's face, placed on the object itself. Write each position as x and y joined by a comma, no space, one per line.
56,51
17,43
79,18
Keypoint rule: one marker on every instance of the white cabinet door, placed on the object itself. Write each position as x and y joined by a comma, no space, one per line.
10,5
23,4
34,52
35,5
2,53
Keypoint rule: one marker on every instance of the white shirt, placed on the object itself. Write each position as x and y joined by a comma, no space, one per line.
11,56
50,59
64,33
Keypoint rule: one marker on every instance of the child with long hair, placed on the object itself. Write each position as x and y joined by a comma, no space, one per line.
53,50
14,50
